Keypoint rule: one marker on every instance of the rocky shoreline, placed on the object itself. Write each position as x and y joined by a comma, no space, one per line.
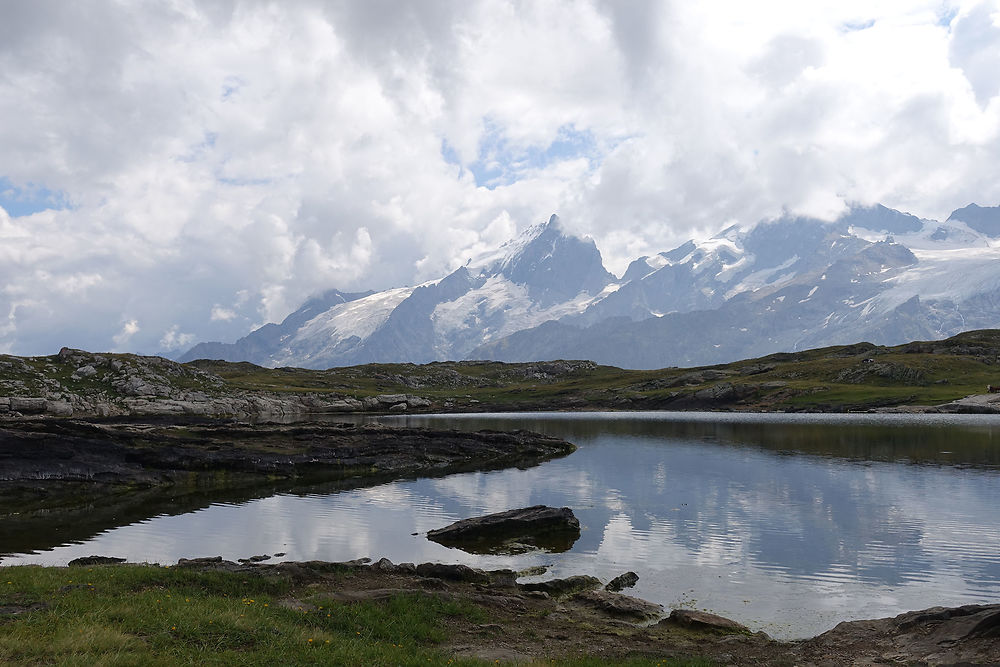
48,453
579,616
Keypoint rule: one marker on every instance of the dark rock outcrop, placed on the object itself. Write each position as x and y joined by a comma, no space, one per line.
626,580
550,528
48,454
578,583
966,635
95,560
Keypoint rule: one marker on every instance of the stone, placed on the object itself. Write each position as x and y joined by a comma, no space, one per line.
562,587
417,402
620,606
702,620
95,560
627,580
550,528
391,399
28,406
59,408
452,572
383,565
398,407
85,371
255,559
503,578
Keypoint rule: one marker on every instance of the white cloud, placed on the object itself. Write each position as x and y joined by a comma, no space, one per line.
220,314
232,158
173,339
129,329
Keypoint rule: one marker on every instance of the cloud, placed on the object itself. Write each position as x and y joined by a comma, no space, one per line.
222,314
173,339
209,165
129,329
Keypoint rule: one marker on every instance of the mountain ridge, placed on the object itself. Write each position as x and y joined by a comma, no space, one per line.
794,282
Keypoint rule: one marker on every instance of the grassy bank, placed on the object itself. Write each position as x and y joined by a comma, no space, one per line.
838,378
151,615
833,379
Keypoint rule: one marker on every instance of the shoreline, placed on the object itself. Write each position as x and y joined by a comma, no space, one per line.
503,620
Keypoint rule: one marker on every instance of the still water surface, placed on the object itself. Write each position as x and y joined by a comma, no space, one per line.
788,523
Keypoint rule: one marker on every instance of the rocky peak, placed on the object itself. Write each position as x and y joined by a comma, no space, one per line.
983,219
879,218
554,266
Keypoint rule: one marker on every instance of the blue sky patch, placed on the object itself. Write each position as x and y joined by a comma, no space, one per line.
946,16
501,162
31,198
857,26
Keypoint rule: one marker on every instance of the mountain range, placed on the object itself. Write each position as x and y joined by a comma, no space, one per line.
874,274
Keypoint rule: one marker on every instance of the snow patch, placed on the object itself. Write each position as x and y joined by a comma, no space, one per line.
355,318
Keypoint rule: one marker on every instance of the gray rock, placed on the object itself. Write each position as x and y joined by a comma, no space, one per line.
399,407
59,408
561,587
702,620
966,635
94,560
551,528
627,580
418,402
621,606
28,406
452,572
383,565
85,371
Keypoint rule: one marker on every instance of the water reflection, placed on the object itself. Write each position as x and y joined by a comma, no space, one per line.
711,514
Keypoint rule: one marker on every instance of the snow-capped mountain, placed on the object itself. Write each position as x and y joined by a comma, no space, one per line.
875,274
542,275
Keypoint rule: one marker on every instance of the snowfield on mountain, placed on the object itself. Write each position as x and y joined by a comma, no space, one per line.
874,274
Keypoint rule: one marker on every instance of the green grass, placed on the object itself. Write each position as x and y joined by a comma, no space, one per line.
151,615
132,615
832,378
844,377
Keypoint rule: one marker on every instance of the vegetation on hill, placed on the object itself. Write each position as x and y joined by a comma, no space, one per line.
839,378
861,376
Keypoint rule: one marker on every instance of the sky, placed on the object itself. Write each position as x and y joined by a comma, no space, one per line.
176,171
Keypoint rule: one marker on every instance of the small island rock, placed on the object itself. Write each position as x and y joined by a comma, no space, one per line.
550,528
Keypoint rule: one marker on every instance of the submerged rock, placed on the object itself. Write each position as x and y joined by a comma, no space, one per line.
627,580
514,531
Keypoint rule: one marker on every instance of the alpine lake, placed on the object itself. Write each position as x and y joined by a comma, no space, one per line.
786,523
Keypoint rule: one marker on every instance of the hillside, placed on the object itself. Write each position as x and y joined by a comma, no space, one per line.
860,376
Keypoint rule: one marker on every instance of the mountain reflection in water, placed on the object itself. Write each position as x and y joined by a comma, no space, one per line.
789,524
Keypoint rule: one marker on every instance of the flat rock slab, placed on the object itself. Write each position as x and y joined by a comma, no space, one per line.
967,635
560,587
702,620
553,529
621,606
